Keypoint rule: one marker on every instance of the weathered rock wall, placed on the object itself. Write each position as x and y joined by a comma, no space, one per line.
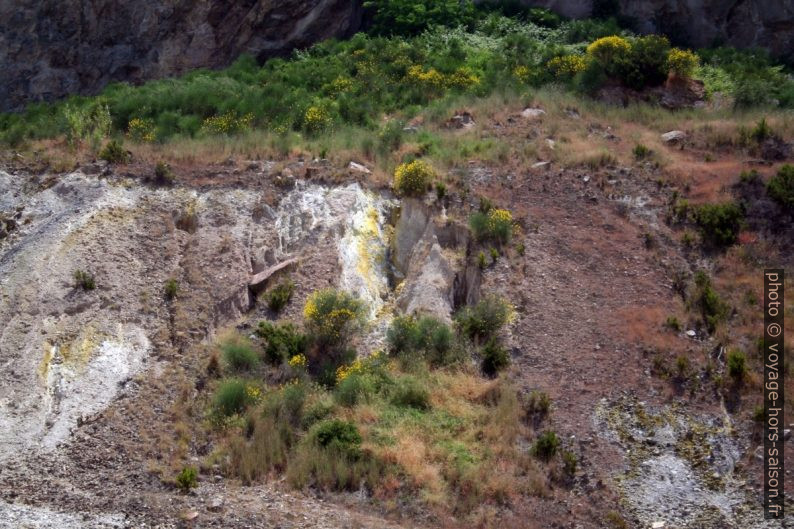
51,48
740,23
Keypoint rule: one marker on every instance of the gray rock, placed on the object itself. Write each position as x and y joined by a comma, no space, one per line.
215,504
674,136
533,113
358,167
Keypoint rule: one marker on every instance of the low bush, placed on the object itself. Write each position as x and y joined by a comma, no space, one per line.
425,337
332,316
494,358
682,62
163,175
546,445
187,479
238,353
538,404
409,392
737,364
354,389
413,178
84,280
282,341
171,289
114,152
336,433
232,397
781,187
712,308
495,225
719,223
278,296
485,319
640,151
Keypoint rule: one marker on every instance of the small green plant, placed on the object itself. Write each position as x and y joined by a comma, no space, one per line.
336,433
494,255
482,261
640,151
546,445
232,397
719,223
114,152
569,464
187,479
521,249
278,296
410,393
441,190
485,319
282,341
163,175
761,131
239,354
673,324
759,415
781,187
737,364
494,224
412,179
538,404
682,366
711,306
495,358
688,239
171,289
84,280
425,337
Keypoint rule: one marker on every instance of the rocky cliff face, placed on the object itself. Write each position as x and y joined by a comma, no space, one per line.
51,48
740,23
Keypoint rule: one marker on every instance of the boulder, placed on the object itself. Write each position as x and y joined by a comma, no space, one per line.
674,136
533,113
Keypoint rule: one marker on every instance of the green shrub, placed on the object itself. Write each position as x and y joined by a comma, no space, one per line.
187,479
737,364
546,445
286,404
413,178
410,17
282,341
761,131
90,122
425,336
485,319
712,308
781,187
278,296
239,354
719,223
354,389
682,62
231,397
494,357
569,463
163,175
538,404
409,392
647,63
114,152
336,433
84,280
673,324
640,151
495,225
482,261
171,289
332,316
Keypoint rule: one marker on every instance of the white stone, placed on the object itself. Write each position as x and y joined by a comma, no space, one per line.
532,113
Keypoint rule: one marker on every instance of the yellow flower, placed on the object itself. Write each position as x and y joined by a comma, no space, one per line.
316,118
412,178
462,78
682,62
605,50
141,130
430,79
298,361
227,123
567,66
253,392
522,73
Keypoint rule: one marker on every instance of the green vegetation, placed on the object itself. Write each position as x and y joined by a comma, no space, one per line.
187,479
712,308
426,338
114,152
719,223
84,280
282,342
238,353
492,225
494,357
484,320
737,364
408,61
278,296
163,175
673,324
413,178
231,397
171,289
546,445
640,151
781,187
